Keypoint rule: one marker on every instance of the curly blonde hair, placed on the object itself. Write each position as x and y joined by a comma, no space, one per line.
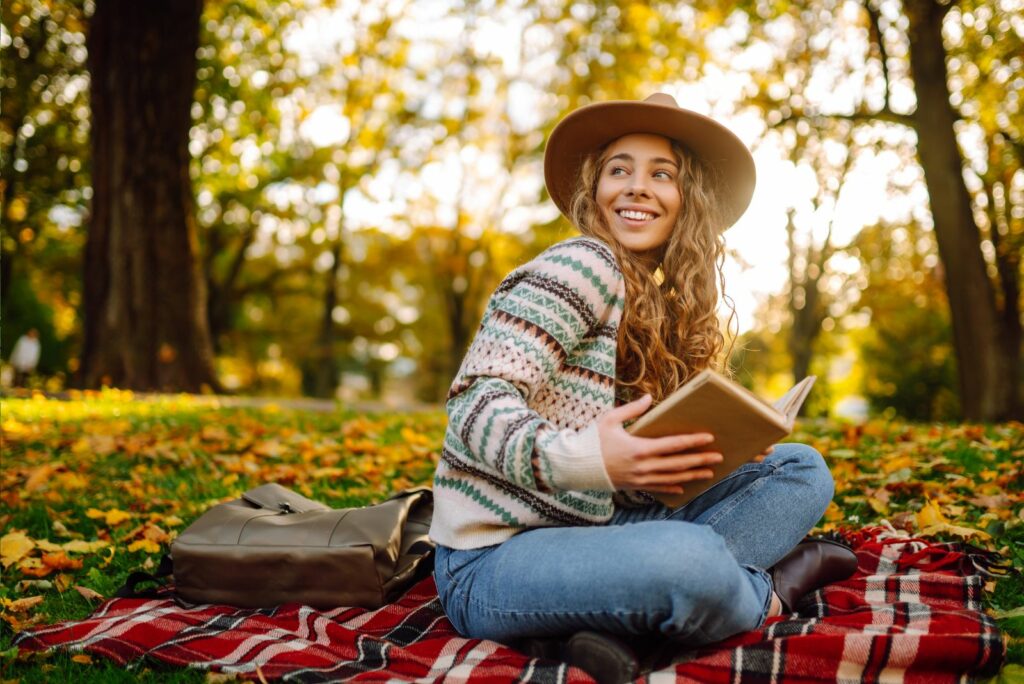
669,329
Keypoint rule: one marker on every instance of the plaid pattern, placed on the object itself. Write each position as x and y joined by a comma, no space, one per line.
912,613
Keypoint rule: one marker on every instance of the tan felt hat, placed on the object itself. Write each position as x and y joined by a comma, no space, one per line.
591,127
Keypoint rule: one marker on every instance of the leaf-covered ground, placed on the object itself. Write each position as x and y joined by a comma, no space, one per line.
97,486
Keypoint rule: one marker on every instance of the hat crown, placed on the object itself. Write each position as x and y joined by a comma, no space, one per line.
663,99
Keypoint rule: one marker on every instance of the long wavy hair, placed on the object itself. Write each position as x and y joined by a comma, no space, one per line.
670,329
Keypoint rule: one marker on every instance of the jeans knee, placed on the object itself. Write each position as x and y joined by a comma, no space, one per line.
696,562
809,468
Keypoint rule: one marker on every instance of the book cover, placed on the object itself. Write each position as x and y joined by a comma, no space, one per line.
743,424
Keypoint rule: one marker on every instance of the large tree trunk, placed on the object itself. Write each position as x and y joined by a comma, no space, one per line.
145,300
987,368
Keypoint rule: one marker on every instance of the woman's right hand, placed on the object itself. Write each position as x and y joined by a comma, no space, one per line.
652,464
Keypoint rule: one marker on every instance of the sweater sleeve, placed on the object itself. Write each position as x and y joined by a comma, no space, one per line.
535,319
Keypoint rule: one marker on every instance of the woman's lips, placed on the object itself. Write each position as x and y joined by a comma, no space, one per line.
635,217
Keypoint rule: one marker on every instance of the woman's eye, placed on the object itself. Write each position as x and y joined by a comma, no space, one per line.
615,171
663,174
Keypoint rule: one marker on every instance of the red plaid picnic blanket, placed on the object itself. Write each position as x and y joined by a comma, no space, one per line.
911,613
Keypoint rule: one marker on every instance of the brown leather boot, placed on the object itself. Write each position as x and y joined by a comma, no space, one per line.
606,658
814,563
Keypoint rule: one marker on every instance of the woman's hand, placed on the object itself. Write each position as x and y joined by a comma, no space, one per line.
653,464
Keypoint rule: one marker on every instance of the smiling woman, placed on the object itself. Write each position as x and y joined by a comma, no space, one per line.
543,515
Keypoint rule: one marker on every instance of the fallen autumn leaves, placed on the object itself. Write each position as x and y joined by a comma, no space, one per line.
98,486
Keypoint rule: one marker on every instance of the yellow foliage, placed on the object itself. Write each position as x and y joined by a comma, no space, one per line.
930,515
13,547
958,530
113,517
147,545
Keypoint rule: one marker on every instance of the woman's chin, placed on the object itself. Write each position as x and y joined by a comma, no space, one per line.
637,244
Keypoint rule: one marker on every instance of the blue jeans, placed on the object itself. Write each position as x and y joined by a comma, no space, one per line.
695,574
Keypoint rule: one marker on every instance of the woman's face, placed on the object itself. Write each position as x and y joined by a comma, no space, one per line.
638,191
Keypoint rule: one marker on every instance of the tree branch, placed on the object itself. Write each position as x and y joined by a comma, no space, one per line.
875,32
857,117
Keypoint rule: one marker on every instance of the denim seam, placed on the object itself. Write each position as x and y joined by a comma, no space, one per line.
768,599
575,613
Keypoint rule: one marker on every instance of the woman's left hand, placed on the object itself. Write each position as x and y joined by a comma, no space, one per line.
764,454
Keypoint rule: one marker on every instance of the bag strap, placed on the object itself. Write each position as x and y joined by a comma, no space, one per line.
129,590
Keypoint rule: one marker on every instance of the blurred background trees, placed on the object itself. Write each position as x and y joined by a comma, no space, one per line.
362,174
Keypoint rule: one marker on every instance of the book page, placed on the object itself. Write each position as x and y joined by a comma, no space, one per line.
789,404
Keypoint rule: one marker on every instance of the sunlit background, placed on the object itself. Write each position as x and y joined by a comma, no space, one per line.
365,173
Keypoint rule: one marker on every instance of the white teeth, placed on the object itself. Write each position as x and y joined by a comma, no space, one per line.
635,215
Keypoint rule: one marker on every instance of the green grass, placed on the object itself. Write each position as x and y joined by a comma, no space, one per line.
164,461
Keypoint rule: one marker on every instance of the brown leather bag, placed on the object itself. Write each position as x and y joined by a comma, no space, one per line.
275,546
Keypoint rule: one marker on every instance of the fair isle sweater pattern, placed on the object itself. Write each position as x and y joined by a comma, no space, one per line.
521,448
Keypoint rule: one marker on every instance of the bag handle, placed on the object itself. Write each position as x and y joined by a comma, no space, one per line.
129,588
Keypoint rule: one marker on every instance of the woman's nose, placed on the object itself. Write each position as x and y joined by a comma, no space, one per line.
637,186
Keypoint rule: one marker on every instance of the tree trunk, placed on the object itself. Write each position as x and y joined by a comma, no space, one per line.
325,365
144,296
987,369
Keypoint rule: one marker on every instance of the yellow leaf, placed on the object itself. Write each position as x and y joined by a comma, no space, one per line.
229,480
23,604
88,594
13,547
147,545
116,517
930,515
958,530
878,506
79,546
328,472
112,517
63,582
834,513
71,480
39,477
48,546
893,464
83,658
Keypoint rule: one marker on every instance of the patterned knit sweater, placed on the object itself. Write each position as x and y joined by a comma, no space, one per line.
522,448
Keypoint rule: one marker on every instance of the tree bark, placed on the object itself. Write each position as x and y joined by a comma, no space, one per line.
144,295
987,368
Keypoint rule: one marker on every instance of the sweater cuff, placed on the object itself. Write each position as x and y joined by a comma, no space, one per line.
576,462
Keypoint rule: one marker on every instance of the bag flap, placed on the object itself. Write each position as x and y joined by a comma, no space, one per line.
280,499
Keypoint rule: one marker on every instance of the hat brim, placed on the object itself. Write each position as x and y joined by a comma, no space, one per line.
590,128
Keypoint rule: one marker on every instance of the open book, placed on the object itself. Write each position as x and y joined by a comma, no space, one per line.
744,425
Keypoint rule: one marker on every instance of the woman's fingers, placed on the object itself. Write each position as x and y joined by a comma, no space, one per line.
679,463
674,444
633,409
663,479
